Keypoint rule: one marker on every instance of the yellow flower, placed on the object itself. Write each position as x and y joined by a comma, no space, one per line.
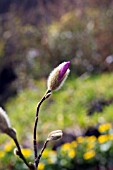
74,144
91,139
26,152
71,153
80,139
103,138
2,153
90,145
111,137
41,166
45,153
9,146
104,127
66,147
88,155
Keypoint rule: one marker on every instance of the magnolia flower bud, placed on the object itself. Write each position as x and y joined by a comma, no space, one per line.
58,76
4,121
55,135
5,126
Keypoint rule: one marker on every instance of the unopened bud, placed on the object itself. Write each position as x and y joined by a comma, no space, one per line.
58,76
55,135
32,166
16,152
4,121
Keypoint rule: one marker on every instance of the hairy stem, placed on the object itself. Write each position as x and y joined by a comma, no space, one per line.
47,94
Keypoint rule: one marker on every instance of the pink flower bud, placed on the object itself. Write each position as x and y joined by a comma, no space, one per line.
58,76
63,70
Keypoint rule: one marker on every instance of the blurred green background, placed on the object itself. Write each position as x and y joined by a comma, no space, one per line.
38,35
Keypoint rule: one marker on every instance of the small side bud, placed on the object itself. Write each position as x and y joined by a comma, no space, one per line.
16,152
4,121
58,76
32,166
55,135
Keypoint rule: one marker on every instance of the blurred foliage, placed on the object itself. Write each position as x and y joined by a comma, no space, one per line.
84,36
33,46
10,161
66,108
37,38
83,153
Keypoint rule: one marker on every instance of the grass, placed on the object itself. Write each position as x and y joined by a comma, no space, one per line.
65,108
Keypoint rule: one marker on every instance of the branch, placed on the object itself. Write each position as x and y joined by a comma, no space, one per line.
41,152
47,94
19,153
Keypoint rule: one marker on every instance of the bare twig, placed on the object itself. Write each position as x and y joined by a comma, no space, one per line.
47,94
22,156
41,152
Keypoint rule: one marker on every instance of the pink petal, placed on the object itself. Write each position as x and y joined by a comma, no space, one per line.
63,70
